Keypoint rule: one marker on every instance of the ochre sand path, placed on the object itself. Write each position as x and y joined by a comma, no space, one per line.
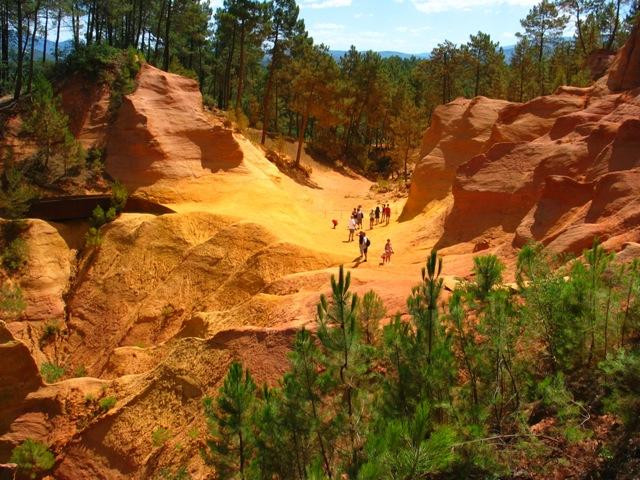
258,193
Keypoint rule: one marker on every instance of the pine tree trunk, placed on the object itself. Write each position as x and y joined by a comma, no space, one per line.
18,84
165,63
267,91
406,172
75,25
56,52
139,30
46,34
616,24
33,41
4,65
540,67
240,68
155,50
227,73
579,29
305,120
90,21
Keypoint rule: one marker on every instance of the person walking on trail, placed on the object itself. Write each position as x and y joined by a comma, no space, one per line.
372,218
377,213
360,216
364,243
388,251
334,222
352,228
387,214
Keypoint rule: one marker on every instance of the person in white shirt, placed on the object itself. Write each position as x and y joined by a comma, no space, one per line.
352,228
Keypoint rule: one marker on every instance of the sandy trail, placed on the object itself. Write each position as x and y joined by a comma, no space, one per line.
297,214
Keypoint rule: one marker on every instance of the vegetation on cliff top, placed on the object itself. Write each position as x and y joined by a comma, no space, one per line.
256,58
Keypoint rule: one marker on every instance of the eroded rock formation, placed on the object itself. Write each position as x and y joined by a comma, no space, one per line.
560,169
162,132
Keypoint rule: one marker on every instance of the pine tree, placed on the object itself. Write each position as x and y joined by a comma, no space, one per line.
314,89
487,62
407,128
306,364
522,72
339,334
284,27
229,419
49,127
543,25
15,195
369,315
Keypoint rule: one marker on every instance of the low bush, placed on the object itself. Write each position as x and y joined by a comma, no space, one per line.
107,403
160,436
14,255
51,372
50,331
33,458
11,300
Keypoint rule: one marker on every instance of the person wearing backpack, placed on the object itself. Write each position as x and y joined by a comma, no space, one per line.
360,216
365,243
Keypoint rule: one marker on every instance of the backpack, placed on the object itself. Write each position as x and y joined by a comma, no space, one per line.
368,242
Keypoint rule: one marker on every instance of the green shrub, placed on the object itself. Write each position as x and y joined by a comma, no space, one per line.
48,126
160,436
92,60
622,379
93,238
238,118
119,196
107,403
180,474
51,372
14,255
16,194
176,67
51,330
208,101
80,371
33,458
167,311
11,300
95,158
98,217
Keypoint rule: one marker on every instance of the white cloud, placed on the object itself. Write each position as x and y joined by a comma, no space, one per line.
435,6
327,27
326,3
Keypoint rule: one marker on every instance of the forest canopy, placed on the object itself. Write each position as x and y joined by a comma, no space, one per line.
257,59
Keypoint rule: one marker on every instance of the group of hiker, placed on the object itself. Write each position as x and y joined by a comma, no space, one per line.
380,214
377,216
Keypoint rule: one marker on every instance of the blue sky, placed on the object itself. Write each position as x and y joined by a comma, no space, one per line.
410,26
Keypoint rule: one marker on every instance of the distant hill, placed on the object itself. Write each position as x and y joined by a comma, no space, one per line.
64,46
337,54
